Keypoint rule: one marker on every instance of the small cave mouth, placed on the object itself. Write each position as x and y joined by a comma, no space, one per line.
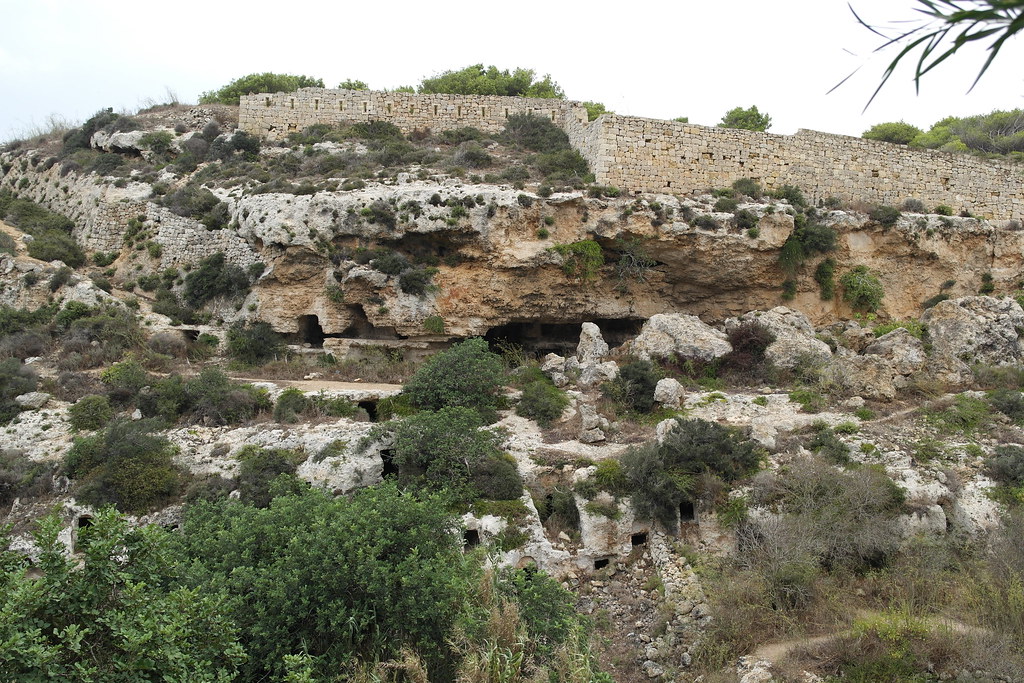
638,539
471,538
687,513
543,337
360,327
390,468
371,409
601,563
309,331
191,335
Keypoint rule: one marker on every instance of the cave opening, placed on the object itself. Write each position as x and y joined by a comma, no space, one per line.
541,337
371,409
601,563
310,331
360,327
639,538
471,538
687,513
389,467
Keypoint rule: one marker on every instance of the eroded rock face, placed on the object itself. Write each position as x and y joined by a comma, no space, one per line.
885,366
976,329
683,336
795,340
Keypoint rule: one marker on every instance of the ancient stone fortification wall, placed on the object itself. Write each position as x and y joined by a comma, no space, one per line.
274,115
649,155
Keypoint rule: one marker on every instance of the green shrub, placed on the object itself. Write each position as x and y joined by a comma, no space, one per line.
663,475
791,193
1006,465
385,261
726,204
22,477
884,215
745,219
609,476
542,402
810,400
443,449
125,379
477,79
466,375
943,210
434,324
90,413
535,133
562,166
862,289
964,415
496,478
750,188
581,260
15,379
824,275
915,327
747,119
214,277
209,398
258,83
404,583
391,407
258,467
53,245
826,443
416,281
125,465
290,404
987,285
1009,403
254,344
472,155
634,386
896,132
29,217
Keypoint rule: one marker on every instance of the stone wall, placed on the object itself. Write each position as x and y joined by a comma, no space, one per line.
274,115
650,155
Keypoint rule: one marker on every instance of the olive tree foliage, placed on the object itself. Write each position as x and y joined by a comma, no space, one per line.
942,28
477,79
746,119
336,579
112,614
255,83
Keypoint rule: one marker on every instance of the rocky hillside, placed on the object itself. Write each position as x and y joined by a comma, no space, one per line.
753,439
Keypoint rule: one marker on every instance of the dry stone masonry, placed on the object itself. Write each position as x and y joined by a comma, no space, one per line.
274,115
655,156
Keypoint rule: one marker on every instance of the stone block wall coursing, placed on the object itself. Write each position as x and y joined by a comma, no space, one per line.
655,156
274,115
649,155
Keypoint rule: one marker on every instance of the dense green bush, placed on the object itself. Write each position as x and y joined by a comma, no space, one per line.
581,260
259,467
211,397
21,476
15,379
258,83
884,215
416,281
542,402
634,386
114,611
90,413
547,609
468,375
1009,402
747,119
54,245
29,217
862,289
897,132
535,133
663,475
327,578
748,187
479,80
824,275
563,166
1006,465
254,344
214,277
290,405
125,465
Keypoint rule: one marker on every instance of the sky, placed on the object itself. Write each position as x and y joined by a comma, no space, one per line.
70,58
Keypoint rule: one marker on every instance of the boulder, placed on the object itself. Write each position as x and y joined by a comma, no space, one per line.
668,392
683,336
592,347
885,366
33,400
795,342
976,329
596,373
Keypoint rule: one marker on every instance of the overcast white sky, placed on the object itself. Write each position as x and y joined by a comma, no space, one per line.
645,58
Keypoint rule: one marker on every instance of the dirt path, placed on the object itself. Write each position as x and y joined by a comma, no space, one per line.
323,385
777,651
